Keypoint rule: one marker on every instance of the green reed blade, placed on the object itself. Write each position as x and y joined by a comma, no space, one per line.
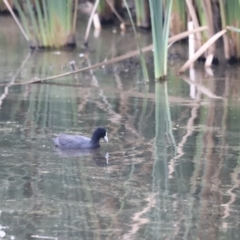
160,33
40,18
33,20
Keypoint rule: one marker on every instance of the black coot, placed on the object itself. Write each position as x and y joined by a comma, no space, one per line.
64,141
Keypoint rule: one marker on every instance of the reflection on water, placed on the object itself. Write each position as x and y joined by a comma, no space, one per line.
95,153
169,171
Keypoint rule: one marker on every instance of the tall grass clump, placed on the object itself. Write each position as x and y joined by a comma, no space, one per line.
160,19
49,24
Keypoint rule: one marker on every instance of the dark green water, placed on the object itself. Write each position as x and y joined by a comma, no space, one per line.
170,170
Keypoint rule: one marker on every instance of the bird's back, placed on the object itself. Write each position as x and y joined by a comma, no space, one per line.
72,142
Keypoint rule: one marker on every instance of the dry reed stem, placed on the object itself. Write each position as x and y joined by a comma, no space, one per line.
194,17
201,50
90,22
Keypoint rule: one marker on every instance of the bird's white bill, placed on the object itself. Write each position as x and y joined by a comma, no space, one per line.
106,137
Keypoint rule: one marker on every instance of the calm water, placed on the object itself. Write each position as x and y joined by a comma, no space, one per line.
170,170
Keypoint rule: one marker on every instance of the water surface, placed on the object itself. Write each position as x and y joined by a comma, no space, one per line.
170,170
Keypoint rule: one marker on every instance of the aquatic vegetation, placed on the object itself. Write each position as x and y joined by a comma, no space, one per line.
230,17
160,34
178,22
46,24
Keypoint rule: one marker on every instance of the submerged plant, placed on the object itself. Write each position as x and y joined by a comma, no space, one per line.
47,24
